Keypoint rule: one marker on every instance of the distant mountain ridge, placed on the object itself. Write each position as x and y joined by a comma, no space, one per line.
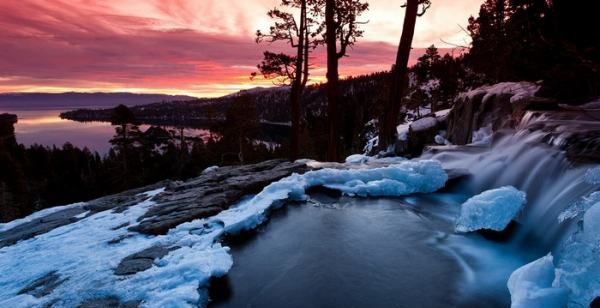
84,99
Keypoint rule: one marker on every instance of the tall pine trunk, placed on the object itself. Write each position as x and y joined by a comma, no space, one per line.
332,81
297,85
399,78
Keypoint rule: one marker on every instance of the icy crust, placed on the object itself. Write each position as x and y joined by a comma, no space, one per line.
404,178
577,265
530,286
492,209
578,261
592,176
84,254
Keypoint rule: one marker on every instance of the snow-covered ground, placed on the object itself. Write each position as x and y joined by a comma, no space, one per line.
85,253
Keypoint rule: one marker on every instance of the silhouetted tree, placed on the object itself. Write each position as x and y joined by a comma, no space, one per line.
538,40
126,139
298,30
341,31
399,74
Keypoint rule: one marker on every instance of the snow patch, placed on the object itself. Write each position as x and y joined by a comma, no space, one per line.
492,209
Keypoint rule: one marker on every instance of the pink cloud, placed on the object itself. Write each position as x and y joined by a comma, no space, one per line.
83,44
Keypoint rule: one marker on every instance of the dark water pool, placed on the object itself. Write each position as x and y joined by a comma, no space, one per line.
365,253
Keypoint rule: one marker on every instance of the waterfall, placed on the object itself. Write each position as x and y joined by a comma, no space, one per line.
529,158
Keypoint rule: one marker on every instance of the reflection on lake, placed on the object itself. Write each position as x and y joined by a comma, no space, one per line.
45,127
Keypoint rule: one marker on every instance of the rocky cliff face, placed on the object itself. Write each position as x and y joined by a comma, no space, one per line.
514,105
496,107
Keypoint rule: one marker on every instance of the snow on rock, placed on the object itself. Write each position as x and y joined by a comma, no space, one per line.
402,131
210,169
401,179
82,256
423,124
36,215
357,159
492,209
519,91
441,114
592,176
530,286
365,159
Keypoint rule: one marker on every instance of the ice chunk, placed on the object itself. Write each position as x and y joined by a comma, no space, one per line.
579,207
592,176
591,224
578,259
492,209
530,286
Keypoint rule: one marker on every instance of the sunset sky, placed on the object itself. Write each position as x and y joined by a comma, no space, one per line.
194,47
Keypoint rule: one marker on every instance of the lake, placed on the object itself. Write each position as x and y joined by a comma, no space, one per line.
45,127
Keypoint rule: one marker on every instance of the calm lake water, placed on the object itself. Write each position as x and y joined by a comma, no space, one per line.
354,252
45,127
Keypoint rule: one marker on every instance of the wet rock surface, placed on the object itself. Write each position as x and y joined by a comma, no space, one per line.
43,286
109,302
40,226
118,202
141,261
200,197
211,193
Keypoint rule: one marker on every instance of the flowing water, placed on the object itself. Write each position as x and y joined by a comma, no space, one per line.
403,252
